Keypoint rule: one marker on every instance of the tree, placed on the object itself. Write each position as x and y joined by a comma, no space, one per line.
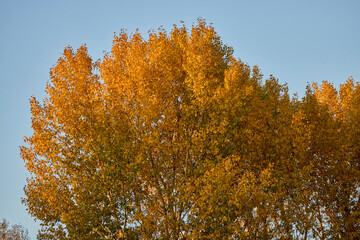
15,232
173,138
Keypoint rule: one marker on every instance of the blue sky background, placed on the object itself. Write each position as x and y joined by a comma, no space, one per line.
297,41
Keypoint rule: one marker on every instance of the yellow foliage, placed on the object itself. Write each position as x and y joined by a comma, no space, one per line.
171,137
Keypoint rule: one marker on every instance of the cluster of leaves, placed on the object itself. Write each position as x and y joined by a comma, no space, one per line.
15,232
173,138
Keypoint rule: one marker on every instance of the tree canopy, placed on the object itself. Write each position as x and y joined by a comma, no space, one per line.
171,137
14,232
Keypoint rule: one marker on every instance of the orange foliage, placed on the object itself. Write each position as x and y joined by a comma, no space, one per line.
173,138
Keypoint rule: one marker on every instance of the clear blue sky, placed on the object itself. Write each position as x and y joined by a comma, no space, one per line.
297,41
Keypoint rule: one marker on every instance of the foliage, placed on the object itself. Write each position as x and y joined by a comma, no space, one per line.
173,138
15,232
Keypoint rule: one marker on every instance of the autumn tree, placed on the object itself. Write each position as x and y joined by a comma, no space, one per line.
14,232
171,137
